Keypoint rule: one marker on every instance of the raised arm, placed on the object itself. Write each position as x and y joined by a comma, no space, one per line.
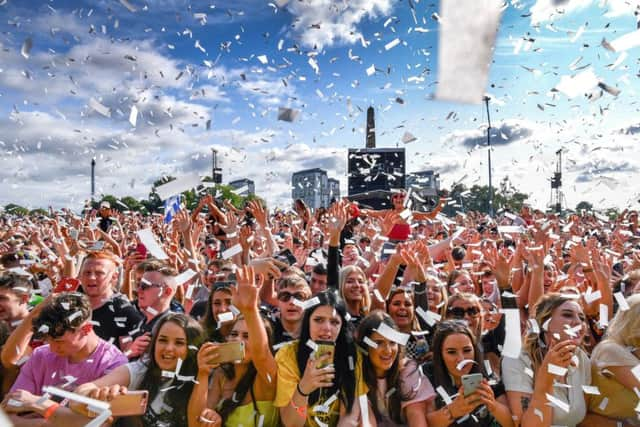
421,216
245,297
337,221
535,259
17,345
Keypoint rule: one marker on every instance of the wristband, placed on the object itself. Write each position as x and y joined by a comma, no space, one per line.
587,269
50,411
300,391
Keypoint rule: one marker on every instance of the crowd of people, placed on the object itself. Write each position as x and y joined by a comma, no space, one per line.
342,316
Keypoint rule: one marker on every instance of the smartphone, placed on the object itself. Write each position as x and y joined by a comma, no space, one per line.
388,249
66,284
131,403
230,352
98,245
471,382
73,233
286,256
324,348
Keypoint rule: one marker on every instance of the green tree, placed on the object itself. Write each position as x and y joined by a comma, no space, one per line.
39,212
191,198
508,197
584,205
476,198
612,213
16,209
132,203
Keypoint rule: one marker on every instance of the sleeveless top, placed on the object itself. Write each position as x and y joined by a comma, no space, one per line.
400,232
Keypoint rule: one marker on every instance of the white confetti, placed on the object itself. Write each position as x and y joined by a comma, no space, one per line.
393,43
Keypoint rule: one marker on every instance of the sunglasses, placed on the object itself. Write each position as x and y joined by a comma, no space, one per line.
459,312
397,196
143,286
286,296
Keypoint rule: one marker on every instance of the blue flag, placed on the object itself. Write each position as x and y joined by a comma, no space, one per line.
171,207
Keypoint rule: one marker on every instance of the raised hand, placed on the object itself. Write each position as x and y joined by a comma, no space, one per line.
246,237
314,378
231,225
258,212
245,295
337,218
267,267
207,356
413,263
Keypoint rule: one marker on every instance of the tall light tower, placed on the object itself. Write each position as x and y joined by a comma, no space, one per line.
486,101
93,178
216,172
557,196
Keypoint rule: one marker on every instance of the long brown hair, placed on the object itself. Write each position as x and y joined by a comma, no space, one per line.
534,343
369,325
441,375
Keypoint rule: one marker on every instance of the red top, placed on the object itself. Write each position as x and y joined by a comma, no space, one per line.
400,232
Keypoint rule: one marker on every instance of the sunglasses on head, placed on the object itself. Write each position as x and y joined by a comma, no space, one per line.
459,312
286,296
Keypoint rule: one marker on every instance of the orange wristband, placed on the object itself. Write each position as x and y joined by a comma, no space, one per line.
50,411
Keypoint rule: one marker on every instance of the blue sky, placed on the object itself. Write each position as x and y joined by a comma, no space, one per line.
182,64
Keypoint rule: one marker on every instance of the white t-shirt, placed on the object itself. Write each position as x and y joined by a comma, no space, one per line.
515,378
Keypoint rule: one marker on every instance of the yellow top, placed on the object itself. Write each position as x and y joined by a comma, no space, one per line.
289,377
621,402
244,415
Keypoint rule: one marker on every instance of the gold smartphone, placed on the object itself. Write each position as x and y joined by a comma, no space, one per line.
130,404
324,348
229,352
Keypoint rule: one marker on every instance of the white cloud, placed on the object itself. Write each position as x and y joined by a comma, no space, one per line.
209,93
621,7
549,10
503,133
337,21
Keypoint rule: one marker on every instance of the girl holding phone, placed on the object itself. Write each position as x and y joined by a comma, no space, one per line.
241,392
316,390
456,355
173,350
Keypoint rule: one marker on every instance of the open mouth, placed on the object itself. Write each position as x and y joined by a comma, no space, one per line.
325,337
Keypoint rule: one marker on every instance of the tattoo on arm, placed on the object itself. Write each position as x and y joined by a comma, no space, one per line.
524,402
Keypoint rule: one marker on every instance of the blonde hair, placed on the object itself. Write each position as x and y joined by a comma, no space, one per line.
534,344
624,328
345,272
